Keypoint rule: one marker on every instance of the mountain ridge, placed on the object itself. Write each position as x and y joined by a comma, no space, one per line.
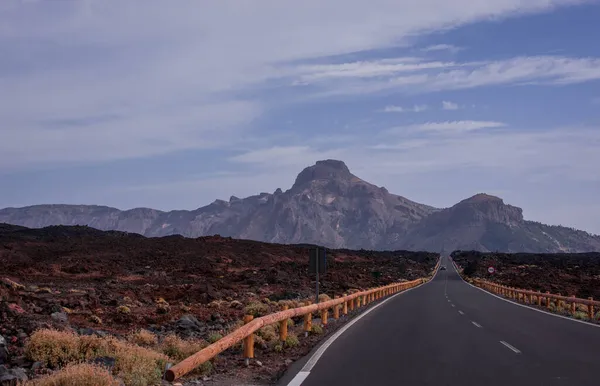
330,206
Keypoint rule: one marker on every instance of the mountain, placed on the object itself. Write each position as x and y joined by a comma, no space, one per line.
485,223
330,206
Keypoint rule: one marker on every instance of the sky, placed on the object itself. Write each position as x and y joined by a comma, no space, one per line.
171,105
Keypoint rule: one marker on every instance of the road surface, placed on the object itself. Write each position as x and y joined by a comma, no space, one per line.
447,332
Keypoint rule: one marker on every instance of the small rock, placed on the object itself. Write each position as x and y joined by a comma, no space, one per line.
258,363
4,356
107,362
205,378
288,362
101,334
14,376
60,317
86,331
36,365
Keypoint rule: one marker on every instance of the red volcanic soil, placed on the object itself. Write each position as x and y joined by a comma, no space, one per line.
562,273
130,282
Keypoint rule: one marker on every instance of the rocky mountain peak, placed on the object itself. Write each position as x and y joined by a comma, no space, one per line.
323,170
487,207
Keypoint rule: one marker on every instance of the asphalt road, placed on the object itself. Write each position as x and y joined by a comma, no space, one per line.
447,332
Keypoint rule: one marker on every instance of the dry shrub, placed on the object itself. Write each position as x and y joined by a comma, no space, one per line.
53,348
316,329
78,375
292,340
324,298
143,338
236,305
95,319
214,337
137,366
256,308
581,315
179,349
268,333
123,310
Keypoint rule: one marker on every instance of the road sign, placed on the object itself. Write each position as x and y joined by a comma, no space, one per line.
317,261
491,270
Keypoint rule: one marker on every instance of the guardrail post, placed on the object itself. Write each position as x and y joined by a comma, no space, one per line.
336,310
591,309
307,320
548,299
364,300
324,314
345,309
283,327
248,342
573,305
539,298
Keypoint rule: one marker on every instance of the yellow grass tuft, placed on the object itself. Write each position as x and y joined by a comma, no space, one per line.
179,349
78,375
143,338
135,365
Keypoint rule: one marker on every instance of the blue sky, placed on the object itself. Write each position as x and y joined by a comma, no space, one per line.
148,103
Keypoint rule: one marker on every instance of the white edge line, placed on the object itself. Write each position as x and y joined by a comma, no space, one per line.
510,347
305,371
476,324
527,307
299,378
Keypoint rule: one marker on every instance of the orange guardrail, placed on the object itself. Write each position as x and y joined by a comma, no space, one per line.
246,332
537,297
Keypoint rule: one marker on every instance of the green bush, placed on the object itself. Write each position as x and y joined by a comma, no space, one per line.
214,337
291,341
316,329
256,309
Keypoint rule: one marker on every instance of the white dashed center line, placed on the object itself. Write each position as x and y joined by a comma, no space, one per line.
511,347
452,305
476,324
460,312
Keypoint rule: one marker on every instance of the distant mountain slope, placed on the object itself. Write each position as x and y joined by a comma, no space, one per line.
484,223
330,206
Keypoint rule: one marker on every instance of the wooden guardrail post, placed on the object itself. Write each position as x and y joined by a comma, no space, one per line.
336,310
548,301
283,327
364,300
345,309
539,298
573,305
248,342
358,301
324,314
307,321
591,309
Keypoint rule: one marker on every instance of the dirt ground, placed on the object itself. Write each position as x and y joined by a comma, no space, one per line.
90,281
565,273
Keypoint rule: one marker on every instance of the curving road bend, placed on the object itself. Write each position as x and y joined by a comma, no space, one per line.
447,332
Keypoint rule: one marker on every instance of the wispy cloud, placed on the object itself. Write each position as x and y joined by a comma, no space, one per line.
447,127
447,105
437,76
161,73
400,109
442,47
